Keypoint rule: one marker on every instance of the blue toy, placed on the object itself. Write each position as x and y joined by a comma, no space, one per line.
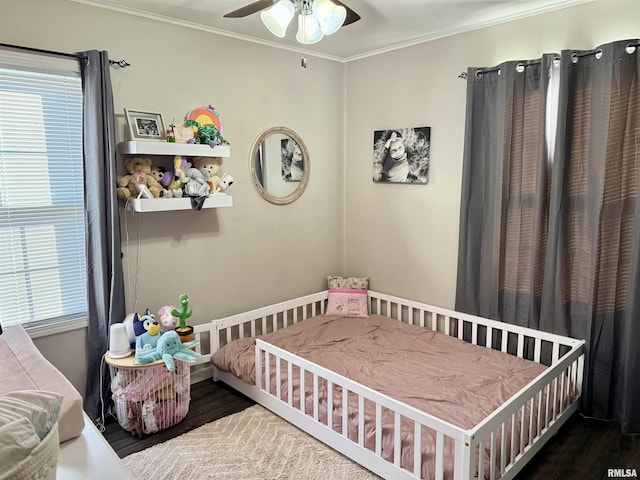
170,347
141,324
147,342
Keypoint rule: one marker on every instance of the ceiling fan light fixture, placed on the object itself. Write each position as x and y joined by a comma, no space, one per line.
329,15
308,30
278,17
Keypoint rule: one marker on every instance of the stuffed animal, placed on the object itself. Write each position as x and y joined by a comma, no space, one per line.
135,326
170,188
180,165
139,169
225,182
207,134
167,321
163,176
169,347
141,322
146,343
211,165
157,172
195,182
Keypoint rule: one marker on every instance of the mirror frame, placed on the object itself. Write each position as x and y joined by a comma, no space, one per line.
293,196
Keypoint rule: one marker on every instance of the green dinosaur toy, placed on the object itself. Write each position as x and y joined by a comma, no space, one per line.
207,134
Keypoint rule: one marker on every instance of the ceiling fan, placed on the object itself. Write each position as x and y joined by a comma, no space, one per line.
316,18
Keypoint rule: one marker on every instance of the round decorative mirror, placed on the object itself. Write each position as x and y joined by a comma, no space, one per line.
279,164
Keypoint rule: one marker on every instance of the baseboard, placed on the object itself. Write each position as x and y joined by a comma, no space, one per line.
201,372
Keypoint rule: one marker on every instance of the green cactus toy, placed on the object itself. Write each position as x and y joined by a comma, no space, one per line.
185,311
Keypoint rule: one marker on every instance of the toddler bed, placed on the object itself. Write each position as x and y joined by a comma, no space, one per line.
411,391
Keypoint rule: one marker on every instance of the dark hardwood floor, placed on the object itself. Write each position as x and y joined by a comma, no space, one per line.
583,449
209,401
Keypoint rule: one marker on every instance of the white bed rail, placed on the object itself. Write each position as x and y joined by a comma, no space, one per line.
201,331
268,319
522,425
523,342
498,447
287,363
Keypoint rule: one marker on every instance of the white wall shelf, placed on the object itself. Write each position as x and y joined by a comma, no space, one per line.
217,200
167,148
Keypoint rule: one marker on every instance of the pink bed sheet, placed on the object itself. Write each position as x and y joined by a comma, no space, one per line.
441,375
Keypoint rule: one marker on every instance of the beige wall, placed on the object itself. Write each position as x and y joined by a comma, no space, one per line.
405,237
231,259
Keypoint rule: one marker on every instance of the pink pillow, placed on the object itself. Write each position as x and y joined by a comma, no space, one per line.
348,302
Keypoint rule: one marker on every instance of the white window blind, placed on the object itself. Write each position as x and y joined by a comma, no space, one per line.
43,271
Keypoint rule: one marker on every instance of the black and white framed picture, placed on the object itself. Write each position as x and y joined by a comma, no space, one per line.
401,155
292,164
145,125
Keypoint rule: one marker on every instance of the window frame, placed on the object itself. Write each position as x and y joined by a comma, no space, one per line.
69,68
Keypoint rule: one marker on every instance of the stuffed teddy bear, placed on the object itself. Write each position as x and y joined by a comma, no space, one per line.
170,187
212,165
157,172
163,176
139,169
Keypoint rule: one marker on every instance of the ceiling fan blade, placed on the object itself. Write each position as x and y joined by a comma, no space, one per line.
249,9
351,15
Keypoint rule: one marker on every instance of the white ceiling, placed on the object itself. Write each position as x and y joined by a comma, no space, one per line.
384,24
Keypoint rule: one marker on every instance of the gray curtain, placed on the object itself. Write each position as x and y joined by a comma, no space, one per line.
590,282
106,285
504,183
550,238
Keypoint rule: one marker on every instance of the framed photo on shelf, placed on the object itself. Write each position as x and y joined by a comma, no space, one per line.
145,125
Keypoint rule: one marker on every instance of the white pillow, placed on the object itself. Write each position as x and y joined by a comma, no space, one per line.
17,439
40,407
26,418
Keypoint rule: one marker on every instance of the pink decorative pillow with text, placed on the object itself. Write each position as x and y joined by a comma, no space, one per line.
348,302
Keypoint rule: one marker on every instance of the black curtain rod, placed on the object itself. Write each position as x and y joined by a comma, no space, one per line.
597,51
528,63
575,55
47,52
119,63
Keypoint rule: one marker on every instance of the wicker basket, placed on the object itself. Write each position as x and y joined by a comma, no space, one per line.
148,399
41,464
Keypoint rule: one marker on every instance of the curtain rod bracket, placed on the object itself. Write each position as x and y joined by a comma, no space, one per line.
119,63
463,75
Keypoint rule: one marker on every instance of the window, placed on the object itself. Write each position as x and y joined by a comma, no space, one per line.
43,266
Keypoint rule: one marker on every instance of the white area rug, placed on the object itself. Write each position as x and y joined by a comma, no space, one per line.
250,445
